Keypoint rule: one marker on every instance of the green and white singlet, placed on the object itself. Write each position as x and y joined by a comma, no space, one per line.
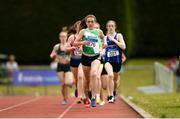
93,37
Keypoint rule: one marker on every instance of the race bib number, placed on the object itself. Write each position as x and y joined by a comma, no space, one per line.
91,44
94,45
77,52
112,53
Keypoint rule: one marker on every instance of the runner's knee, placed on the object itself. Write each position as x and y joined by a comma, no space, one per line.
111,76
80,77
94,74
98,78
104,87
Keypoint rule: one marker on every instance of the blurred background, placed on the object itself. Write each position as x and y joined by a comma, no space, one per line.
150,27
29,29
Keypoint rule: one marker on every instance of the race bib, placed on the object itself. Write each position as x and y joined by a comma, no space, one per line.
93,43
77,52
112,53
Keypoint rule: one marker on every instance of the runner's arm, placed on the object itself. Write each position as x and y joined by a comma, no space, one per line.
120,42
123,57
78,41
104,45
54,51
69,43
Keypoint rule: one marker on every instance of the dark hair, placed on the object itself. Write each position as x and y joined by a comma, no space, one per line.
64,29
90,15
83,24
72,29
98,24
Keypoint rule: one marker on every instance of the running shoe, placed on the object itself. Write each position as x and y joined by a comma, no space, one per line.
87,102
111,99
64,102
93,102
115,95
102,103
79,100
98,100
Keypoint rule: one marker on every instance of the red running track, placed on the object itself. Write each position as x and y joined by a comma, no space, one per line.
50,107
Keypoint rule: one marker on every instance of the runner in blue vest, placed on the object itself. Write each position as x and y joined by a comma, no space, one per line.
113,54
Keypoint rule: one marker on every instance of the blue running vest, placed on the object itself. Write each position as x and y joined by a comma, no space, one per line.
113,53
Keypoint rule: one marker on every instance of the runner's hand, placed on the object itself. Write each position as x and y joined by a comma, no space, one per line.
104,45
53,55
85,42
73,48
111,38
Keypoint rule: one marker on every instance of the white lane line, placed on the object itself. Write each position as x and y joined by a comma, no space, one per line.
67,109
17,105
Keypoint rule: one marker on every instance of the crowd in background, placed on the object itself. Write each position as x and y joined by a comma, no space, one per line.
8,64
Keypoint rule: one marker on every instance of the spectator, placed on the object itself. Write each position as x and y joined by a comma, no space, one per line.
172,64
3,71
12,65
178,76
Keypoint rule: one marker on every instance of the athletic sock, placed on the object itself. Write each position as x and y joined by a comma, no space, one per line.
76,93
108,98
114,93
98,95
90,94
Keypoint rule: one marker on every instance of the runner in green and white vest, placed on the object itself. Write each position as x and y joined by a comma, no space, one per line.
92,40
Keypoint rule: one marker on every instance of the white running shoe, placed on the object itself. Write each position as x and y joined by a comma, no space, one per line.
102,103
111,99
64,102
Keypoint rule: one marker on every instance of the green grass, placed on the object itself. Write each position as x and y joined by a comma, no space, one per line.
158,105
145,61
